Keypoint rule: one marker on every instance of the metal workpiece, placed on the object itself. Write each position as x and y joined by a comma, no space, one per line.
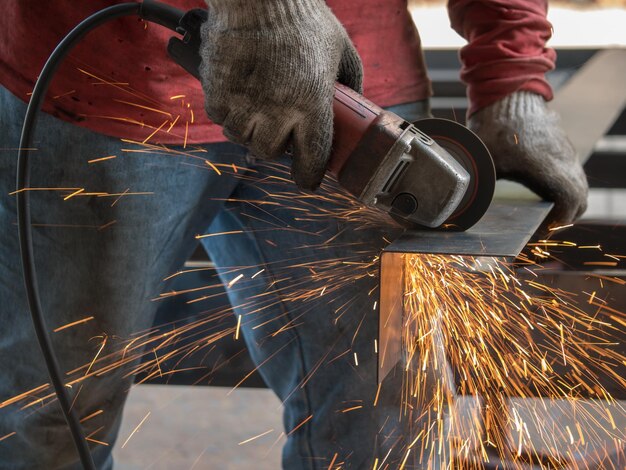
503,231
418,180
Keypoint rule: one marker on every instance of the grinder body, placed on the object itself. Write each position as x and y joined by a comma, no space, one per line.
390,164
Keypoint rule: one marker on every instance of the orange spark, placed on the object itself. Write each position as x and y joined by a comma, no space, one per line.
198,237
64,94
92,415
173,123
347,410
213,167
42,189
154,132
238,327
6,436
234,281
256,437
96,160
332,462
69,325
135,430
306,420
147,108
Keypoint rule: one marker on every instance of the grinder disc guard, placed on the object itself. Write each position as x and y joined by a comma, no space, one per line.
467,148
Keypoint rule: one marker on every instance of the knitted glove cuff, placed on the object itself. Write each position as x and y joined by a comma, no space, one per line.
244,14
517,105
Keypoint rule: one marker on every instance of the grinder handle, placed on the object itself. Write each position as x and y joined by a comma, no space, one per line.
354,114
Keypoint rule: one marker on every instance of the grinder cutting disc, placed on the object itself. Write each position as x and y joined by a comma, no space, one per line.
467,148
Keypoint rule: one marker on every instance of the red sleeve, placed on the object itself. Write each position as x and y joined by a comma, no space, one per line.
506,50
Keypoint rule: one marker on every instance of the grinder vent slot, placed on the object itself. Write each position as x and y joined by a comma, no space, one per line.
395,175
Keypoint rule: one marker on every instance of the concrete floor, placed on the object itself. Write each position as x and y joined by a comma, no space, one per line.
207,428
200,428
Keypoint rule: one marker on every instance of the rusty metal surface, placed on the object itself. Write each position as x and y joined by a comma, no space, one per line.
391,312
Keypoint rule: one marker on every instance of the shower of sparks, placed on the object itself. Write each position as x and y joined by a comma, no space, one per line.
474,326
504,334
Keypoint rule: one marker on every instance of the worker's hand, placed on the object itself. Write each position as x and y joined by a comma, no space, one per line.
268,73
529,146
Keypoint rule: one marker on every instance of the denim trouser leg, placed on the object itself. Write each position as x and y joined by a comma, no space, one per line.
309,320
101,257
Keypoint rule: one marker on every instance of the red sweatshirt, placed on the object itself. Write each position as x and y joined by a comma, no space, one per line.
120,82
506,49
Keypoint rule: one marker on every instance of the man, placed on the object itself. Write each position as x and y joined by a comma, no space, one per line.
130,216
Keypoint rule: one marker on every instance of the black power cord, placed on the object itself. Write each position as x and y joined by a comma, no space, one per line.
156,12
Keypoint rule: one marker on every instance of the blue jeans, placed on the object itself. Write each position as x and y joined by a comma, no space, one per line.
106,257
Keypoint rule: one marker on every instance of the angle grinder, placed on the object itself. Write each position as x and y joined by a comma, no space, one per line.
432,173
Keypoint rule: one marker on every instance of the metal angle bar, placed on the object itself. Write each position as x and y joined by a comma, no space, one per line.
592,99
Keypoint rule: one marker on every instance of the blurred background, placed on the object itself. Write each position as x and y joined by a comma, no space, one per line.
577,23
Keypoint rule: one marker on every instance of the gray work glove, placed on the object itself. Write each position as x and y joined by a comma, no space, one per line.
268,73
529,146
